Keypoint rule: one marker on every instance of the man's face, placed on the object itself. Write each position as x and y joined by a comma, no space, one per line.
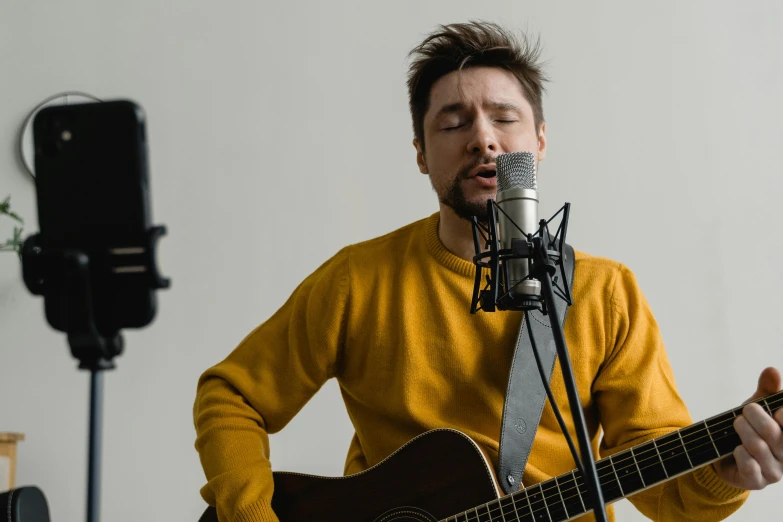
474,115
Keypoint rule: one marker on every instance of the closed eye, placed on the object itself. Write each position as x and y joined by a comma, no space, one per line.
455,127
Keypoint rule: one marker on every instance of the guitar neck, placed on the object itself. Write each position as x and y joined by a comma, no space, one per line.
623,474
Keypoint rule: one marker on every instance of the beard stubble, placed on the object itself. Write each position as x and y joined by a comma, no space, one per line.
454,196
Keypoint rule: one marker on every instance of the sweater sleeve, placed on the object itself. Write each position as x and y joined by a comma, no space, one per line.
259,388
638,400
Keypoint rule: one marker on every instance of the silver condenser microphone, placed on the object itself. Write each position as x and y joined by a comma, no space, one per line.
518,197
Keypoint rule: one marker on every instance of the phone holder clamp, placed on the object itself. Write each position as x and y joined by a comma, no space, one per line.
66,273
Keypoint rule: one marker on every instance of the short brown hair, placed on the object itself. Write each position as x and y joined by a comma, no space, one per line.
459,46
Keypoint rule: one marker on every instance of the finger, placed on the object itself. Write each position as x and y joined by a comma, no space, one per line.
757,449
766,427
769,382
726,466
748,469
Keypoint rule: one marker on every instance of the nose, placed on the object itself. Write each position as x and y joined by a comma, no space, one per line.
483,141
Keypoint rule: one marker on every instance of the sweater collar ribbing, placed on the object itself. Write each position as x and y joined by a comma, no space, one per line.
441,254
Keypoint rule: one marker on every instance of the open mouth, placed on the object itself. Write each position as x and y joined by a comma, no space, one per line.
486,174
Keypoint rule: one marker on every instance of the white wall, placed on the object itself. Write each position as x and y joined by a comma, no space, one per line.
267,118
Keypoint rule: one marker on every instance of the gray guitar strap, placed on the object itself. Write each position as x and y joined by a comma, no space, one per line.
525,395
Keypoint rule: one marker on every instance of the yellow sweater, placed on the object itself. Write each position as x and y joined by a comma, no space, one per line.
389,318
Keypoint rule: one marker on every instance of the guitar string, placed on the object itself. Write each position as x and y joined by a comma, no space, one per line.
534,508
654,459
773,404
568,482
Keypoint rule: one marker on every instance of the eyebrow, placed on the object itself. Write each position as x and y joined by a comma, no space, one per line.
459,107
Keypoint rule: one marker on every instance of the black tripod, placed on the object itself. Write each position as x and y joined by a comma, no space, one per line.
544,255
64,276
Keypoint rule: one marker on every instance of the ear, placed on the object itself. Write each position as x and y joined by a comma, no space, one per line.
420,157
542,142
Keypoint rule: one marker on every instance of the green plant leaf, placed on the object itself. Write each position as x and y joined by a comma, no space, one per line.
17,240
15,243
5,208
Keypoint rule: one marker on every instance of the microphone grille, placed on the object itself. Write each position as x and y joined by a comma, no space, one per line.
516,170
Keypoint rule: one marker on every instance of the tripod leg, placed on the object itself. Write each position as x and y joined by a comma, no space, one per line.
94,463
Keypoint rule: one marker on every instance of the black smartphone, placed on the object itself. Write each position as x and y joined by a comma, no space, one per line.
91,174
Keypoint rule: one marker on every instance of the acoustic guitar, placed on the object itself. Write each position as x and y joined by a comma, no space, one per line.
442,475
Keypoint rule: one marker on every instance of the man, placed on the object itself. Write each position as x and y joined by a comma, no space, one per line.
389,318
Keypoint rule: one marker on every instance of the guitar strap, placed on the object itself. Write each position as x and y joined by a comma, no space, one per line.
525,395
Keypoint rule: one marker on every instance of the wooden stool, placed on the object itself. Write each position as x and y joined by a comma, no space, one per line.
8,459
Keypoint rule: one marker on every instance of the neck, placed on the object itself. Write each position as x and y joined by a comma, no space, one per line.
456,234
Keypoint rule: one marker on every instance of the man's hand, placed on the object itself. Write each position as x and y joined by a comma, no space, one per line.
759,461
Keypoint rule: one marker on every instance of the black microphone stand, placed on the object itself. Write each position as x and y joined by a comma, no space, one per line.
545,255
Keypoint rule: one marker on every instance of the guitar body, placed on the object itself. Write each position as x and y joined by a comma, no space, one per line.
442,473
434,476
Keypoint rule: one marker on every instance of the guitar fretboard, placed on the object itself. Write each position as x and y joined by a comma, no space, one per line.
623,474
